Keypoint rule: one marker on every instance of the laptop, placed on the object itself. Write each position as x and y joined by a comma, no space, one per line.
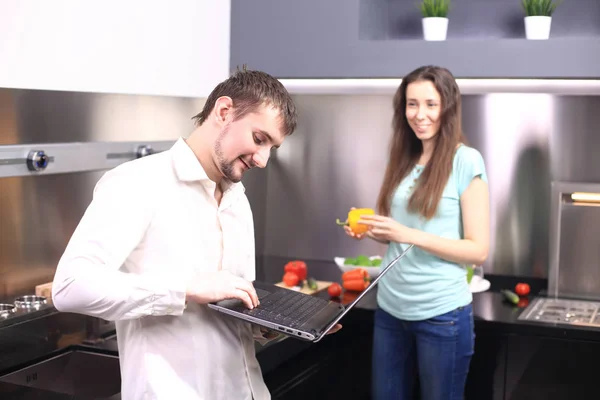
295,314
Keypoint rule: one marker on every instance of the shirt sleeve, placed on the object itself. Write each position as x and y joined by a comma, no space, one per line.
89,279
470,165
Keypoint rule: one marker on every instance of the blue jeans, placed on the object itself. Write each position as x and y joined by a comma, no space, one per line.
439,350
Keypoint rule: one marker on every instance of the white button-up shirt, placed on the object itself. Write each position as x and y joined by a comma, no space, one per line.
152,225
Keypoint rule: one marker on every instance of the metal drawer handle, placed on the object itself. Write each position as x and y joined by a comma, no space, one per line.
38,160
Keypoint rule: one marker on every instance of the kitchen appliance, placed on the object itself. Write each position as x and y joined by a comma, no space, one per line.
30,302
573,296
6,310
563,311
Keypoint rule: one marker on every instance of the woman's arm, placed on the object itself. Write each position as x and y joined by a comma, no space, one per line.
473,249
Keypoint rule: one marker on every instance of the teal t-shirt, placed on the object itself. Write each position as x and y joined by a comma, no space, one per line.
421,285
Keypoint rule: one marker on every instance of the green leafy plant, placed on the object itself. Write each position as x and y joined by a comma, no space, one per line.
435,8
544,8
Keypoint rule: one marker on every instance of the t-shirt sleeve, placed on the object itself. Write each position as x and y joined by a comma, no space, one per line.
470,165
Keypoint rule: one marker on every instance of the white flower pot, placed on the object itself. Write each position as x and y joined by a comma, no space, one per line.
537,27
435,28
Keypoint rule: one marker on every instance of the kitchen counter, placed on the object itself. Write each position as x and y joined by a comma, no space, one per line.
492,313
490,309
10,391
513,358
17,392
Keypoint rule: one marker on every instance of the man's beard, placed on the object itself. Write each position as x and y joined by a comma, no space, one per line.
225,166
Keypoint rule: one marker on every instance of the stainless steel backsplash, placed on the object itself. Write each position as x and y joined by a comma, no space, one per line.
38,214
336,160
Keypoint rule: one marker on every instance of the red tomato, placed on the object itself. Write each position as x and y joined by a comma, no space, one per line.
290,279
298,267
522,289
334,290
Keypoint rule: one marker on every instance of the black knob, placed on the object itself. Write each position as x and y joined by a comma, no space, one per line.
37,160
143,151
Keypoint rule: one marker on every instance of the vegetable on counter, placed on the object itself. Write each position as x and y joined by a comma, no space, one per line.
363,261
356,285
357,273
353,217
510,296
470,273
297,267
334,290
291,279
312,283
522,289
356,280
295,274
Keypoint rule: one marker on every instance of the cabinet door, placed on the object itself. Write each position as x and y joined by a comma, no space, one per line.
551,369
488,366
178,48
320,39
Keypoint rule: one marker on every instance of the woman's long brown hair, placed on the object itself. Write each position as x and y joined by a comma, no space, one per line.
406,148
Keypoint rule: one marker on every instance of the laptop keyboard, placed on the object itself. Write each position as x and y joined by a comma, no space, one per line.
286,307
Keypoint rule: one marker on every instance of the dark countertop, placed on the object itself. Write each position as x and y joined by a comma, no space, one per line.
490,309
492,313
21,315
16,392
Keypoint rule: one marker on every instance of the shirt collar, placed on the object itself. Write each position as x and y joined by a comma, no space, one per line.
188,168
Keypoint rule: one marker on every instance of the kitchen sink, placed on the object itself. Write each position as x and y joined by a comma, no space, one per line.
77,373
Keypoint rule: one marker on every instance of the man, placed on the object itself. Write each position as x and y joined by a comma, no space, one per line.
168,233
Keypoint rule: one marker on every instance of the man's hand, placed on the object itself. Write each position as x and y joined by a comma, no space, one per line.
216,286
336,328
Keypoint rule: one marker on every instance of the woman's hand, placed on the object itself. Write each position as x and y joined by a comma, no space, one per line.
349,232
385,229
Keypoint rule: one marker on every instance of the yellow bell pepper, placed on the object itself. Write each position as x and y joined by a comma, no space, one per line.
353,217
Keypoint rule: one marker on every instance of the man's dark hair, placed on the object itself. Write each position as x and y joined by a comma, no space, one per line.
249,90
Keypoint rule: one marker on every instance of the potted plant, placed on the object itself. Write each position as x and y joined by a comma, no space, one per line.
435,18
538,18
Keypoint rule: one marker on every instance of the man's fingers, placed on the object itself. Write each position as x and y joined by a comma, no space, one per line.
247,287
336,328
244,297
254,296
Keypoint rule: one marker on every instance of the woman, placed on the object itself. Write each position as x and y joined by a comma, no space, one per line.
435,196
